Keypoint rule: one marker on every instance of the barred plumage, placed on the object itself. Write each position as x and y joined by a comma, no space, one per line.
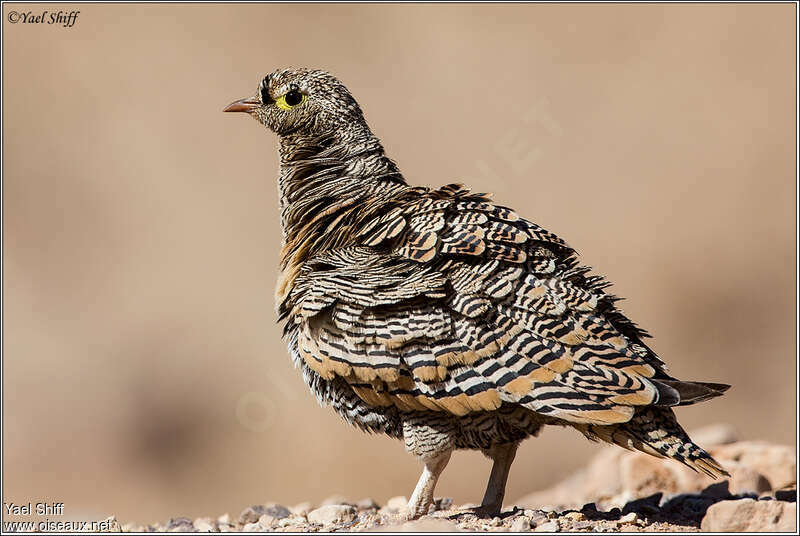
440,317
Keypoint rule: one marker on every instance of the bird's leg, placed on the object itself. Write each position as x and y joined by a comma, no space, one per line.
422,498
431,438
503,457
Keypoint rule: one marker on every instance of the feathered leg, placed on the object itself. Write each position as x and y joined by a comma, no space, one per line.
431,440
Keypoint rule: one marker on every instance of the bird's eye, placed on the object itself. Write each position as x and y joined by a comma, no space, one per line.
291,99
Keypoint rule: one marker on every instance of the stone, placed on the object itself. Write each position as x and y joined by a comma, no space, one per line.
776,462
550,526
749,515
277,511
336,499
203,524
644,475
630,517
302,509
252,513
443,503
397,504
179,524
224,518
521,524
266,521
747,480
575,516
332,514
367,504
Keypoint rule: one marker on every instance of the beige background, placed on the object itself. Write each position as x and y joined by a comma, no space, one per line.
143,371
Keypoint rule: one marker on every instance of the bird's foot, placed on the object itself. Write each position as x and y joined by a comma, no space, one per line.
417,509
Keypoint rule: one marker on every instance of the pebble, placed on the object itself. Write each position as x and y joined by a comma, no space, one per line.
277,511
367,504
397,504
335,499
252,513
575,516
444,503
179,524
266,521
521,524
331,514
302,509
629,518
203,524
748,515
550,526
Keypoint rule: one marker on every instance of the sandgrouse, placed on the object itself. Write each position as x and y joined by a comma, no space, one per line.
441,318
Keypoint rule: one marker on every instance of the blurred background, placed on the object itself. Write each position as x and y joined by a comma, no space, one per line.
143,371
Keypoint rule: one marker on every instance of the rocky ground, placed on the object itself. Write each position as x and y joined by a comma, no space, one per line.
618,491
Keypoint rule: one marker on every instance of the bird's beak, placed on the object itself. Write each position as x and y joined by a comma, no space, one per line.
248,104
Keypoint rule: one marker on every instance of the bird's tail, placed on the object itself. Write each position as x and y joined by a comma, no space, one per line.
655,430
674,392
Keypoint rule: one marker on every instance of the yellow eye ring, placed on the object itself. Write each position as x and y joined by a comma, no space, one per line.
290,100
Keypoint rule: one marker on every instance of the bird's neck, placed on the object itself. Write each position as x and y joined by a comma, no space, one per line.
325,182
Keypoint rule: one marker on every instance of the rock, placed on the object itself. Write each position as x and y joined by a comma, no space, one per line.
521,524
714,435
581,525
575,516
179,524
550,526
443,503
748,515
266,521
252,513
776,462
747,480
302,509
224,518
332,513
397,504
630,517
336,499
427,524
644,475
277,511
367,504
251,527
203,524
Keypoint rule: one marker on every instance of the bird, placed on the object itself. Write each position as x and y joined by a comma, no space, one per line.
439,317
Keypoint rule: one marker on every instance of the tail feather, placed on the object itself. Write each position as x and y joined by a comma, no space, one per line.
682,393
655,431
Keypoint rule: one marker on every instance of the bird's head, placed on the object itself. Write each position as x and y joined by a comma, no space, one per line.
301,101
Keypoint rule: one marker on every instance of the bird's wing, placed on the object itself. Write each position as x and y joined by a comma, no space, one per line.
448,302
